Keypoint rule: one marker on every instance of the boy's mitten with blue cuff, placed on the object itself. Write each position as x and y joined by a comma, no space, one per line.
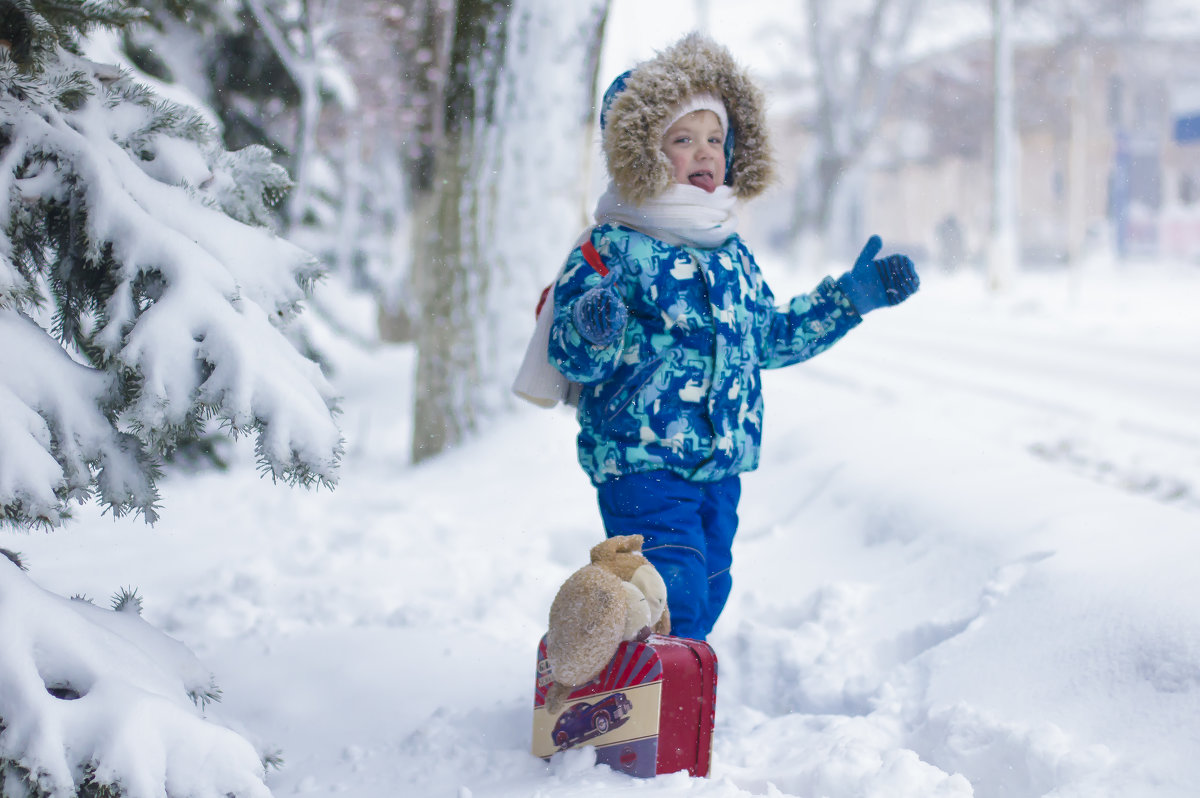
872,284
600,315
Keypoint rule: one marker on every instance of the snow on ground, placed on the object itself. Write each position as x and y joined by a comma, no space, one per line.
965,568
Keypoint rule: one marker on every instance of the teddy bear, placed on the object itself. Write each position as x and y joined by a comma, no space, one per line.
618,597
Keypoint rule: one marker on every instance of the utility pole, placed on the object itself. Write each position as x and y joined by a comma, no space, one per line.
1002,249
1077,166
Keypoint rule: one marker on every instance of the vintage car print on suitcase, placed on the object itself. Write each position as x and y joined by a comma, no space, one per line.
650,711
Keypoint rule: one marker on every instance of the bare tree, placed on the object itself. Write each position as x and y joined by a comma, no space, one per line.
301,36
855,52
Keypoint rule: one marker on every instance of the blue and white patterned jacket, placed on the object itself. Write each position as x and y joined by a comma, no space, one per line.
679,390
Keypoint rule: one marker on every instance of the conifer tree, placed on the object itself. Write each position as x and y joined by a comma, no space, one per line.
141,293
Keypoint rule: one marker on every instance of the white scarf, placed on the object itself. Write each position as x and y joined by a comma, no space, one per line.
682,215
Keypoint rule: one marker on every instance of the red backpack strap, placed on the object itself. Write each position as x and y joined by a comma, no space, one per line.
542,300
593,258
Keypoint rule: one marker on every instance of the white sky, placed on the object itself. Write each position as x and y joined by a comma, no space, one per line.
759,33
637,29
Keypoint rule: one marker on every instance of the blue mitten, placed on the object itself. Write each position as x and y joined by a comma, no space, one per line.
600,315
872,284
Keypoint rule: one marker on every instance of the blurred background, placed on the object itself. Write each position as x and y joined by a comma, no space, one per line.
445,154
891,117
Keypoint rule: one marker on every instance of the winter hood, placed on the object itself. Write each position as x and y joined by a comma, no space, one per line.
639,111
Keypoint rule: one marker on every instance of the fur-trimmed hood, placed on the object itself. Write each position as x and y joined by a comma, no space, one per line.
639,112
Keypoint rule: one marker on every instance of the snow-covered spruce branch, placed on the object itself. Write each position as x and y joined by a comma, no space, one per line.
168,311
98,702
57,437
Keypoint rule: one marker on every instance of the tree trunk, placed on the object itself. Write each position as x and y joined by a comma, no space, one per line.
591,111
450,278
503,204
829,174
423,55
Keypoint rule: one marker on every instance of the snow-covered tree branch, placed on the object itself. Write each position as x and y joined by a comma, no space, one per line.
99,703
139,294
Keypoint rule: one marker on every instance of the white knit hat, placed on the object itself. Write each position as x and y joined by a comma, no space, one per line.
700,102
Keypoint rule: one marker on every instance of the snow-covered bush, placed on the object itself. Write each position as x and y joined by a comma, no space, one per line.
140,294
96,702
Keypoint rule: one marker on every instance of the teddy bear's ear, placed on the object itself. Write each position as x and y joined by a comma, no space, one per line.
650,583
587,618
619,544
639,613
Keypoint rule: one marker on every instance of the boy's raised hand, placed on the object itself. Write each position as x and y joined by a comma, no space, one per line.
872,284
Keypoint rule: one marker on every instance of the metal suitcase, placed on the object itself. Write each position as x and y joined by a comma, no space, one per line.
650,711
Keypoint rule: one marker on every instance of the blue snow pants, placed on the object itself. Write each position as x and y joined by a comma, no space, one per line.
688,530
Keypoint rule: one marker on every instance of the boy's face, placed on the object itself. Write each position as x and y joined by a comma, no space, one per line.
695,145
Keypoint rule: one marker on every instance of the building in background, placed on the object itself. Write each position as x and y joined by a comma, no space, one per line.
1108,153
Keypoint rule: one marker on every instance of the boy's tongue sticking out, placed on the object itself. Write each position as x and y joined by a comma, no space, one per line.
703,180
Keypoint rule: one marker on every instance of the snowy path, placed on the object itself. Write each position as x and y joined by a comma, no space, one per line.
964,569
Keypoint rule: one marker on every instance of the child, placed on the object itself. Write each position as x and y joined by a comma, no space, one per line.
668,345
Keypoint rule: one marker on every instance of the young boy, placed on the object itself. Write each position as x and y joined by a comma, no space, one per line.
668,344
